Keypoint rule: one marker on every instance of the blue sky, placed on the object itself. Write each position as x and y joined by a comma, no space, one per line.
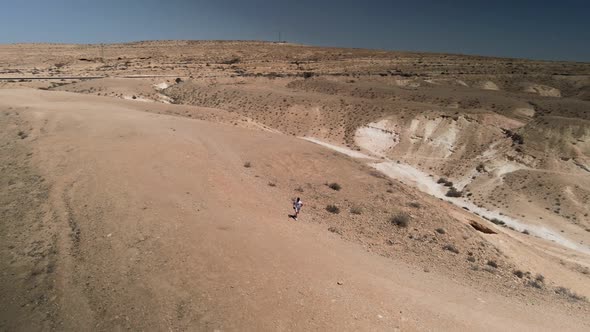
553,30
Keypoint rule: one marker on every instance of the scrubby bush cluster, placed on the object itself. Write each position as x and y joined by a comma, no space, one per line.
332,209
335,186
453,192
400,219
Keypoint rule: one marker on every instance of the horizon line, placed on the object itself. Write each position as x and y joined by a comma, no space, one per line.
285,42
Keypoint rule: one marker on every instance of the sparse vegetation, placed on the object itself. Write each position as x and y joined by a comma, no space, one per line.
492,264
231,61
273,75
333,209
377,174
498,222
334,186
451,248
400,219
453,192
445,182
481,228
570,295
489,269
22,134
335,230
272,184
247,164
516,137
518,273
356,210
471,259
415,205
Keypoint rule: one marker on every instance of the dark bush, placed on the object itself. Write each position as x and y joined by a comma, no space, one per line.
453,192
498,222
335,186
400,219
333,209
516,137
451,248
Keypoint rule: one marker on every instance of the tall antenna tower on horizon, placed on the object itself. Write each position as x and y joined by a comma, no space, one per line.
101,52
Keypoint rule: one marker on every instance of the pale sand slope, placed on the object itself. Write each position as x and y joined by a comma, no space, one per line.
174,234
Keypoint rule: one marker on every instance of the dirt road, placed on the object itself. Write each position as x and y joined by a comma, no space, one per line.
157,225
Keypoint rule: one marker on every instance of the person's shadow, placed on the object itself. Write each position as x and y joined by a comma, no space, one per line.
292,216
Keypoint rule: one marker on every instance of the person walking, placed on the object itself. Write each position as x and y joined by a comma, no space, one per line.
297,204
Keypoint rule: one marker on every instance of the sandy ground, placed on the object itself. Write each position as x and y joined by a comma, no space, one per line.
156,195
147,237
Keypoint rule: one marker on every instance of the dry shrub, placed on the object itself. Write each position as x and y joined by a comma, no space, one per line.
451,248
335,186
333,209
401,219
356,210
